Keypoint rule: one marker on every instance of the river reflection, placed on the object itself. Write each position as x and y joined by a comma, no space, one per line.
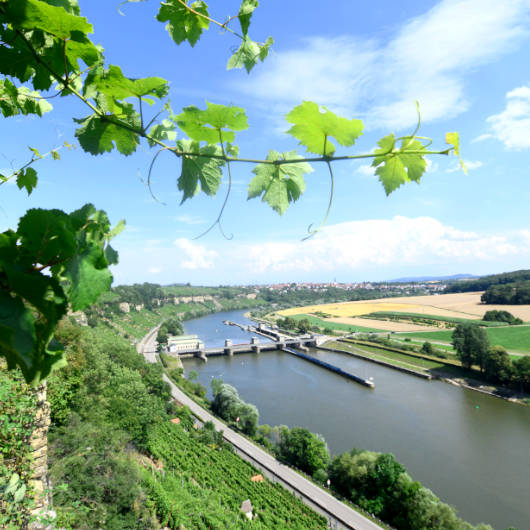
472,450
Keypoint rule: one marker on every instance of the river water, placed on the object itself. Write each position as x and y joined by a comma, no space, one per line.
472,450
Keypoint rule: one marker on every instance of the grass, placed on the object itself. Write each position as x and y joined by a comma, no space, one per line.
513,338
398,359
315,321
436,318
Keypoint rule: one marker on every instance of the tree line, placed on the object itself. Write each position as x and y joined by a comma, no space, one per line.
473,348
506,288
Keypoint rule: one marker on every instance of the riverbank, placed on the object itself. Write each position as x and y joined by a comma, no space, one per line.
427,367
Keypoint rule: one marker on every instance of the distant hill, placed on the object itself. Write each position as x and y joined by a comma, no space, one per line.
433,278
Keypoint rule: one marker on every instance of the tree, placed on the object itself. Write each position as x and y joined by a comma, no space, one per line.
498,365
303,449
227,404
522,372
45,50
471,344
427,348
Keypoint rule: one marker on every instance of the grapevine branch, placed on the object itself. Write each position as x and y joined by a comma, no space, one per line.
141,132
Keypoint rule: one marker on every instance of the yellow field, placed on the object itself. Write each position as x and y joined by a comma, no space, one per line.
461,305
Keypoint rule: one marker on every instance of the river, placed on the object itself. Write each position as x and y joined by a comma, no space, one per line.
471,449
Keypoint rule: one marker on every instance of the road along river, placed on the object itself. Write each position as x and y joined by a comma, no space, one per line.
472,450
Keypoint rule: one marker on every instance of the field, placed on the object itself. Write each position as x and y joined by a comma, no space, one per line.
513,338
333,324
458,306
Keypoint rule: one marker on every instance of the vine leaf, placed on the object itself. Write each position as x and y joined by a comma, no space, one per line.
165,130
56,21
114,84
199,172
279,184
20,100
17,330
314,128
397,166
27,179
89,276
249,54
99,134
245,13
182,24
453,139
207,125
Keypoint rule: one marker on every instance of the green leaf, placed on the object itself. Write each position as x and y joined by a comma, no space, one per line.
114,84
165,130
34,14
118,229
47,235
245,13
207,125
398,166
249,53
453,139
17,331
98,135
111,255
35,152
19,494
314,128
199,172
27,178
279,185
182,24
21,100
89,277
55,155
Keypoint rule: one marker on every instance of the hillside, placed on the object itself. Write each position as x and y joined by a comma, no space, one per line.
116,459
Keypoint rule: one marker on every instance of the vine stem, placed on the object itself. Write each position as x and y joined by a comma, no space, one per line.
224,157
330,203
218,220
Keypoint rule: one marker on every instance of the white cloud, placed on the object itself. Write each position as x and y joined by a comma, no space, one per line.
426,60
380,243
195,256
374,244
470,165
367,170
356,250
512,125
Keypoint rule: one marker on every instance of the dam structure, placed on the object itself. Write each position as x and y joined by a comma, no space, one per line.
276,341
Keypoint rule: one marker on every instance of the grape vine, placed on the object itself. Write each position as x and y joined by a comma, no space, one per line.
45,47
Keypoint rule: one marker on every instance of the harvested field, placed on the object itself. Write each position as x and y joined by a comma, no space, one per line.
458,305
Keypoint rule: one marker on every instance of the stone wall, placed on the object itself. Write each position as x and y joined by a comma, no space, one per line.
39,451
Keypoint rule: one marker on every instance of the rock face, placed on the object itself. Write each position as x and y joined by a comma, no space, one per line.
39,452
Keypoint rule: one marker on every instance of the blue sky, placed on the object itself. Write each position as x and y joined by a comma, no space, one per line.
466,62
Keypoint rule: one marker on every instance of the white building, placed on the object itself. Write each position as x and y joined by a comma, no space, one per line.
184,343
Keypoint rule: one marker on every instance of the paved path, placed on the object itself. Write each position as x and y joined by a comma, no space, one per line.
339,514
